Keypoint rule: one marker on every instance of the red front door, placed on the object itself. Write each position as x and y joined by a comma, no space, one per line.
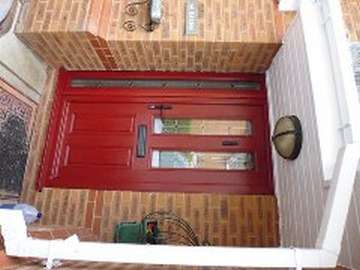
117,139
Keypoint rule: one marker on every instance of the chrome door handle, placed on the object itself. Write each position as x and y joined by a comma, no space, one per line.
141,141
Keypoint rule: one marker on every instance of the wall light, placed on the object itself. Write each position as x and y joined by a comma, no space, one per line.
154,17
287,137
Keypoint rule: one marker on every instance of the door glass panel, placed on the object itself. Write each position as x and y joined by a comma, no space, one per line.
202,160
202,127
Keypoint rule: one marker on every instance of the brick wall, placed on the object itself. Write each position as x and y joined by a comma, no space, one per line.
226,220
351,10
238,36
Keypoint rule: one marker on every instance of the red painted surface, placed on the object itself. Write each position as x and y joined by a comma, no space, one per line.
92,135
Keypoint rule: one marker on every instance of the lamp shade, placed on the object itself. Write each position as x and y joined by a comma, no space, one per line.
287,137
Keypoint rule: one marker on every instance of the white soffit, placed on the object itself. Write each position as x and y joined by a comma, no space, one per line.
326,103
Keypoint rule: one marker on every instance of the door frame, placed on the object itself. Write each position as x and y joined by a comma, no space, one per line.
64,91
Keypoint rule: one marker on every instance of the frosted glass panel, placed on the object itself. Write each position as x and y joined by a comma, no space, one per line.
202,127
202,160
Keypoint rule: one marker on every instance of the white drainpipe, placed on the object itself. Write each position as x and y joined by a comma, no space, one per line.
339,51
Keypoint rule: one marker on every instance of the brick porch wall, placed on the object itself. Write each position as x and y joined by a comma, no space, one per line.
240,36
226,220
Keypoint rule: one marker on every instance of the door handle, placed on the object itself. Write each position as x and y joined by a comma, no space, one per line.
141,141
230,143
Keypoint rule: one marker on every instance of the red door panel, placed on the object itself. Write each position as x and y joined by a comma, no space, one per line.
111,124
96,141
98,156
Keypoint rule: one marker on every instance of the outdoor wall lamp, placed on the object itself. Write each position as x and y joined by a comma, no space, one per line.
287,137
154,17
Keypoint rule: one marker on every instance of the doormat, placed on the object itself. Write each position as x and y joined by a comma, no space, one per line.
16,118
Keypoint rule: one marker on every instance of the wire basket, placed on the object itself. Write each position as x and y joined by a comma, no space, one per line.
173,229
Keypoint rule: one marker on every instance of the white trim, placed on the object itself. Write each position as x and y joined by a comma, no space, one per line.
327,107
339,198
343,73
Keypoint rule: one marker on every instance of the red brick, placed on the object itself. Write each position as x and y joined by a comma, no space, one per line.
103,25
91,195
59,233
99,203
96,227
41,234
89,215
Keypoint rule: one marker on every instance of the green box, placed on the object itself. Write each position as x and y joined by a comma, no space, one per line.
129,232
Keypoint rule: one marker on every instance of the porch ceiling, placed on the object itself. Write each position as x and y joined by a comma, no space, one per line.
233,36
